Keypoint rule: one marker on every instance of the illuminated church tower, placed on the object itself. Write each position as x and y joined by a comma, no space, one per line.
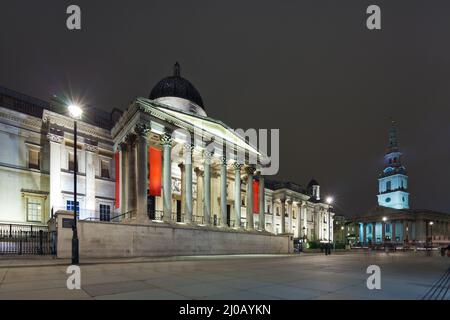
393,181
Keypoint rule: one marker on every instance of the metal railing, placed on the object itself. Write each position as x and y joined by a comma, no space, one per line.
26,240
158,215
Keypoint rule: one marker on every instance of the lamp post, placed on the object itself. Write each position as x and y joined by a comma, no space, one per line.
383,230
76,112
431,234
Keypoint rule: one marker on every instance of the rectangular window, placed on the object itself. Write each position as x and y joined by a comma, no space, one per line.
70,205
34,210
105,212
71,162
105,169
33,159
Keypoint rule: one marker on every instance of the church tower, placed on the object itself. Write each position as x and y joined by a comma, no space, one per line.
393,181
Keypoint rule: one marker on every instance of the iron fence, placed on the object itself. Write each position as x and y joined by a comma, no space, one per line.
26,240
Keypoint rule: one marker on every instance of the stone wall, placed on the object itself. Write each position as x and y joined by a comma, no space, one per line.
113,240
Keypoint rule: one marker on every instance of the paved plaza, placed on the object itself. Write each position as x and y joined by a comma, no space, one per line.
308,276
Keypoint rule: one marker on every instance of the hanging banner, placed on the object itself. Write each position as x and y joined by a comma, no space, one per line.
255,196
155,171
117,160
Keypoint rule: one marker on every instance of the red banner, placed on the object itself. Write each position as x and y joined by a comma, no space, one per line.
117,159
155,171
255,196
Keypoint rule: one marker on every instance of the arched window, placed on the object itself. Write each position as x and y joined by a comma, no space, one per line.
395,160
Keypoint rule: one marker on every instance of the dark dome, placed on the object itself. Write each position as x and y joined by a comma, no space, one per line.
176,86
313,182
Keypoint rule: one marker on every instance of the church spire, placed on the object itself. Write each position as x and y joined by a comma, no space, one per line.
393,181
393,142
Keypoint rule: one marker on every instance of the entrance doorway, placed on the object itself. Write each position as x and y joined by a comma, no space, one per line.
151,206
178,211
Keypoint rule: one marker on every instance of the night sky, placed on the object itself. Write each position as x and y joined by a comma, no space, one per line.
310,68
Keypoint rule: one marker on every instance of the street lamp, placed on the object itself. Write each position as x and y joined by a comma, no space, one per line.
76,113
431,232
329,200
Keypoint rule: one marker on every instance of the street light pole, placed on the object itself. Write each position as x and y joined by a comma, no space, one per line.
329,201
431,234
75,247
76,112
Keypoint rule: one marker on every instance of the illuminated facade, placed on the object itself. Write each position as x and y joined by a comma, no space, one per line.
139,166
392,220
393,181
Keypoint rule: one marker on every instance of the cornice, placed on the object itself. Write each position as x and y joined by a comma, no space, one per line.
68,123
20,118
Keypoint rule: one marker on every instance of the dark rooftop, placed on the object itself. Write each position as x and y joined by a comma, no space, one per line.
35,107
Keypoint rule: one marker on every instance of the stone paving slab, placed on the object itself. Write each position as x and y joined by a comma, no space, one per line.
343,276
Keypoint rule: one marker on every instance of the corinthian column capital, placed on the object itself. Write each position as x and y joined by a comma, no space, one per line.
142,130
237,166
166,139
250,170
208,156
188,148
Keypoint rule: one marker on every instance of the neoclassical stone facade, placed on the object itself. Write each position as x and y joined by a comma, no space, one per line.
157,162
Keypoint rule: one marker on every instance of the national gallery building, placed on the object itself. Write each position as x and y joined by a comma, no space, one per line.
137,167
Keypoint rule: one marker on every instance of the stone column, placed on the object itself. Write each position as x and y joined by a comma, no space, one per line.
142,131
91,154
183,189
124,178
262,213
223,192
283,216
55,172
289,203
250,224
199,204
273,216
299,221
364,240
374,232
188,149
131,140
207,188
237,194
393,231
166,140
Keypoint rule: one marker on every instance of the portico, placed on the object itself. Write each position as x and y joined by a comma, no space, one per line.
199,185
